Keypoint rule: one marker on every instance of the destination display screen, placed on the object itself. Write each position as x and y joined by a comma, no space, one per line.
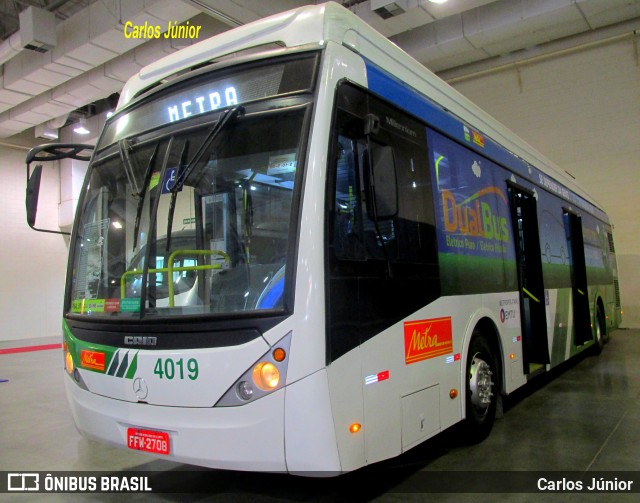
206,94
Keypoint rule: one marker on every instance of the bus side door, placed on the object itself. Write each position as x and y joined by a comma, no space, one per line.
530,283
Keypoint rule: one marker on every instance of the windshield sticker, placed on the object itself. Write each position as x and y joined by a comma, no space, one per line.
87,306
170,180
131,305
91,255
90,306
155,180
111,305
280,164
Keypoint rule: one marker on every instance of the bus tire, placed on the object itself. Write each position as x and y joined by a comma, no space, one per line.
481,394
600,332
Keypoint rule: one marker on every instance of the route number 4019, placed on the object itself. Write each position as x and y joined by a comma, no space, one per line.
168,368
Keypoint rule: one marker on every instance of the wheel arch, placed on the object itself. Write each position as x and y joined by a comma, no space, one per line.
484,322
478,417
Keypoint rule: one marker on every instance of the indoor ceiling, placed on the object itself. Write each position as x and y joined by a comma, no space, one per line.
90,59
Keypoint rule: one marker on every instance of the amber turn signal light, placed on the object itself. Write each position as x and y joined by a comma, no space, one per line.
279,354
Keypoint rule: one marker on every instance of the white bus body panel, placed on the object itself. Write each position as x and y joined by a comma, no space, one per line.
413,403
250,437
310,440
347,404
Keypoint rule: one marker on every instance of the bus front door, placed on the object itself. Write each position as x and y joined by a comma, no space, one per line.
532,295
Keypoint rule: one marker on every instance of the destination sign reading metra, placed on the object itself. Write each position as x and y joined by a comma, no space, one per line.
201,98
222,93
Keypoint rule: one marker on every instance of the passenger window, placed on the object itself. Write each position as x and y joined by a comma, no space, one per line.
348,215
405,236
382,271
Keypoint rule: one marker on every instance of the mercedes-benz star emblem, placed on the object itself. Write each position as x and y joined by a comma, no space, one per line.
140,388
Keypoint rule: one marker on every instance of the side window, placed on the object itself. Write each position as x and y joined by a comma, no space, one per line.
474,219
408,235
347,204
382,247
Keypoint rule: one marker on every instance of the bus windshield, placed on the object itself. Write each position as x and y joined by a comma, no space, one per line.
196,221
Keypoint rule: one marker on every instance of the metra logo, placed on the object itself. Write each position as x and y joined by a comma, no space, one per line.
427,339
474,217
94,360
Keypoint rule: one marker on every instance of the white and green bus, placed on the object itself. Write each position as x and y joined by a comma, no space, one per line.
296,249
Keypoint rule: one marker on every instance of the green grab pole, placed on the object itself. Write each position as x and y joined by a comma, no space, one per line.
530,294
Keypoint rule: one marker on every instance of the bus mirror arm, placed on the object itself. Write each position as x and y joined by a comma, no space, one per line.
43,153
57,151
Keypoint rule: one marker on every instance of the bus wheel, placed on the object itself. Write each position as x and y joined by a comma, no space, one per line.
600,332
482,391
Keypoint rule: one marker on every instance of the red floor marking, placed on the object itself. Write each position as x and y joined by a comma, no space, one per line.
26,349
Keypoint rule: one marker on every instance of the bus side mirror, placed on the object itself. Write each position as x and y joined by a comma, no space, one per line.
33,191
382,203
44,153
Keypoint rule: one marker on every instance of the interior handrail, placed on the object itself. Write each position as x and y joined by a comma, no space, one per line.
170,270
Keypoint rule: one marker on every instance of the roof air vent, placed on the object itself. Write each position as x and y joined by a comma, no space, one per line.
387,9
37,29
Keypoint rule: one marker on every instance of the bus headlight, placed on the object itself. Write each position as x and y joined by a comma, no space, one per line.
68,362
265,376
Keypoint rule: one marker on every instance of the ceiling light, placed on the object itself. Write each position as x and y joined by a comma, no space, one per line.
438,1
81,128
44,131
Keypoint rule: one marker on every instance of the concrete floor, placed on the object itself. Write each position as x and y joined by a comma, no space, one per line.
585,419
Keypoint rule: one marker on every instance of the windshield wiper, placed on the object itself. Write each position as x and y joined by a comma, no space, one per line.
213,134
123,147
140,195
174,194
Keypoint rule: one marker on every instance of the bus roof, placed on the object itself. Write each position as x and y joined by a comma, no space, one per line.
317,24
